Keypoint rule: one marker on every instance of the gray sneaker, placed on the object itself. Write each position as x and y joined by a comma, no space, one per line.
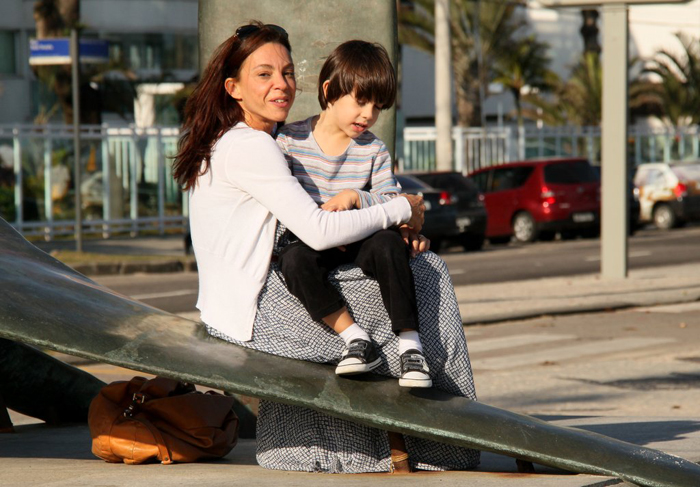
414,370
359,357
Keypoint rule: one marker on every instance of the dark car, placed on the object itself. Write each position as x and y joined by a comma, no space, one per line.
535,199
633,206
471,212
440,210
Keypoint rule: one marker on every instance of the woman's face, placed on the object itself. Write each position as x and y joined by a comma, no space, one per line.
265,86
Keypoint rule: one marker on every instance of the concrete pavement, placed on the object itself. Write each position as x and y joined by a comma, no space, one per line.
38,455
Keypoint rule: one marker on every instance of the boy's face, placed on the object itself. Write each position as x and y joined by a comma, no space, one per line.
351,116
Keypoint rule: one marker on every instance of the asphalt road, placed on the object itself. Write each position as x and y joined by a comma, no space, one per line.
514,262
177,292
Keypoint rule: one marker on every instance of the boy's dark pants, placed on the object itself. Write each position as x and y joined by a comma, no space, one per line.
383,256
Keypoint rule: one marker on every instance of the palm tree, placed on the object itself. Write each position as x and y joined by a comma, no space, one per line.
576,101
480,31
525,64
55,18
677,93
581,97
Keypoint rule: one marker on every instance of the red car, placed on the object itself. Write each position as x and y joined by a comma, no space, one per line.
535,199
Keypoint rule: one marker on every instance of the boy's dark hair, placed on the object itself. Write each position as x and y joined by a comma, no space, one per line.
358,67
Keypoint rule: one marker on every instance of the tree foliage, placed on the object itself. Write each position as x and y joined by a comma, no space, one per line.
56,18
675,93
525,66
480,33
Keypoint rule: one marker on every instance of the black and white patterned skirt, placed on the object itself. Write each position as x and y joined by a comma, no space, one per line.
300,439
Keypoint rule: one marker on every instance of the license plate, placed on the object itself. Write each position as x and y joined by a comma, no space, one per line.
583,217
463,222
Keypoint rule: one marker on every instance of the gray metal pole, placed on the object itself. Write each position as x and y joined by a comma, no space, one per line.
75,68
443,89
614,143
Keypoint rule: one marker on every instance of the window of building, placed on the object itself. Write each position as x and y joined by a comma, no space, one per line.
8,59
157,52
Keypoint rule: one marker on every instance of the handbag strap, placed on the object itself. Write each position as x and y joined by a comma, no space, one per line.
165,456
130,413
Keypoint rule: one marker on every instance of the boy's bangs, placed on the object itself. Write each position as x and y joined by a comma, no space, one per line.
371,87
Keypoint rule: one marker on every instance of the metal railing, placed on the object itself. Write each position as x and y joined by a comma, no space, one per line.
127,184
475,148
126,180
471,148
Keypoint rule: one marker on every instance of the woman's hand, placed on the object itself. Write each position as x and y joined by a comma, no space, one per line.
417,211
418,243
347,199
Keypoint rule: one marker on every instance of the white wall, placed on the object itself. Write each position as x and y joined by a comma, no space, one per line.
653,26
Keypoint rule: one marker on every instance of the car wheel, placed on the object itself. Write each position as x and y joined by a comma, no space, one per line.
524,228
472,242
664,218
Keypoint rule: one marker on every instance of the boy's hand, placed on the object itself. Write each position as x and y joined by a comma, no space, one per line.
347,199
417,243
417,211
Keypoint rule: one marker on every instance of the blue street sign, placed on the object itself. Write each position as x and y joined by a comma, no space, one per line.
57,51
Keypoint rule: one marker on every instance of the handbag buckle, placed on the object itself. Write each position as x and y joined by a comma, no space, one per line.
138,398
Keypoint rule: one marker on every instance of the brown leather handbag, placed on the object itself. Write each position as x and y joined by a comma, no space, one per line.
141,421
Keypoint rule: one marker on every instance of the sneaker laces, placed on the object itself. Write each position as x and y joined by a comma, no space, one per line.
356,349
413,362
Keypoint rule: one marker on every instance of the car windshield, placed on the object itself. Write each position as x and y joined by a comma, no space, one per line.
453,181
569,173
408,182
687,173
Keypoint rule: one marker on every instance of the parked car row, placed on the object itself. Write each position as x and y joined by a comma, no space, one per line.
538,199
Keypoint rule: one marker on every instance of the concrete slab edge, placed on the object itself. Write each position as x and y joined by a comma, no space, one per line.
485,319
129,267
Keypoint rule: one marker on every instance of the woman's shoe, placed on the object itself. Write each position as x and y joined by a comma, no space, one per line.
359,357
414,370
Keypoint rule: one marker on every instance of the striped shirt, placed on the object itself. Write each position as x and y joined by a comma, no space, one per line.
365,166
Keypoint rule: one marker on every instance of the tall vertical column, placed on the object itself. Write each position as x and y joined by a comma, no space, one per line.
443,89
614,143
75,70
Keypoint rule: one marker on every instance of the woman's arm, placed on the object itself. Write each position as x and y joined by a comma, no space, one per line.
255,165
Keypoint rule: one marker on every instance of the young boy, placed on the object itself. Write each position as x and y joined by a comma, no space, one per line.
343,166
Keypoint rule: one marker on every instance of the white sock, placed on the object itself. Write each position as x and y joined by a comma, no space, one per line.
409,339
353,332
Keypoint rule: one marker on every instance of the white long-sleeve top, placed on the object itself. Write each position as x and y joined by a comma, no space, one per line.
234,209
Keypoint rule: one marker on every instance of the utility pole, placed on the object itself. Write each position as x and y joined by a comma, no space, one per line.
75,68
614,207
443,87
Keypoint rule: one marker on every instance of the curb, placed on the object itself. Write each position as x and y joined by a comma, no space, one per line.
692,296
148,267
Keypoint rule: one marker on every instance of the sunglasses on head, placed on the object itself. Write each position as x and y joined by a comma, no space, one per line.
246,30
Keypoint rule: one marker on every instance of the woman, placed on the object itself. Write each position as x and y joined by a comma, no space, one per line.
240,188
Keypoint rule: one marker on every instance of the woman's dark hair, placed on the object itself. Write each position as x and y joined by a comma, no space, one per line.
360,68
210,110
